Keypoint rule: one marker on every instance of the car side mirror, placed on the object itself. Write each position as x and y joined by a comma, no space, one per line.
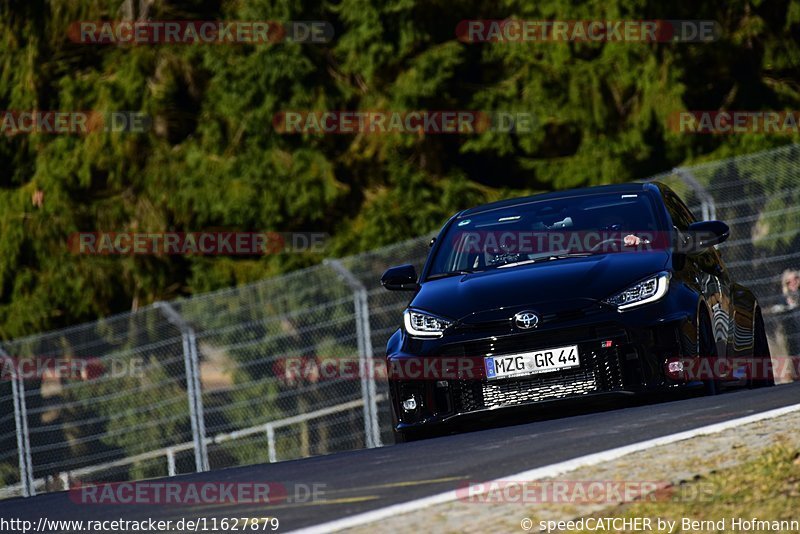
704,235
402,278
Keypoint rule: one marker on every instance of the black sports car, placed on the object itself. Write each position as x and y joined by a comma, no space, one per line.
604,290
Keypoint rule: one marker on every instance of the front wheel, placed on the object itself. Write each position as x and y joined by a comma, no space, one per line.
707,348
407,437
762,375
401,437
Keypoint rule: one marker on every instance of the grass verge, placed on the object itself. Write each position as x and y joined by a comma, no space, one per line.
766,488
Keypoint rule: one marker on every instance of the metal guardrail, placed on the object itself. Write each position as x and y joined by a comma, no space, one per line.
168,453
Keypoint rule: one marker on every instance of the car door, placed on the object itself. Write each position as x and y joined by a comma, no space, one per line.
706,271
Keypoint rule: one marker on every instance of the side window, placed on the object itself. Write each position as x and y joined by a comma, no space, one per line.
680,214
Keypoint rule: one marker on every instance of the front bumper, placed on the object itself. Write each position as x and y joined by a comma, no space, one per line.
616,358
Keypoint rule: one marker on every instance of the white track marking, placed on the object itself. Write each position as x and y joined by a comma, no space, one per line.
545,472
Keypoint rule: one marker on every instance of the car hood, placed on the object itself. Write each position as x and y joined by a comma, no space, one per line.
560,284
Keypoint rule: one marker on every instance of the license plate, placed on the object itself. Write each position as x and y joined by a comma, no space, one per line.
532,363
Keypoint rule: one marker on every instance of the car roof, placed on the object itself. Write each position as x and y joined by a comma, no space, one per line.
584,191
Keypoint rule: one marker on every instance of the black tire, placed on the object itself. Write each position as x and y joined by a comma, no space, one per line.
762,364
399,437
405,437
707,348
418,435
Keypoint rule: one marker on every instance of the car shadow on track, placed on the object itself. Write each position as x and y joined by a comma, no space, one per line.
523,415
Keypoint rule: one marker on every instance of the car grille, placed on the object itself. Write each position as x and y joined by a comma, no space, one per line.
511,393
600,371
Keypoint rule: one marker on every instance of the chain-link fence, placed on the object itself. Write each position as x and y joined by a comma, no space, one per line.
758,196
287,367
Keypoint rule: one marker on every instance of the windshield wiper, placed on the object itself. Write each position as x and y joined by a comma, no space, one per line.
572,255
549,257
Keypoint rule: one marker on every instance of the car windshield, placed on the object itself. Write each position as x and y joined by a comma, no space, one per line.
547,230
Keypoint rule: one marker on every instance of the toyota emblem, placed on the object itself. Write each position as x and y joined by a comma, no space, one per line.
526,320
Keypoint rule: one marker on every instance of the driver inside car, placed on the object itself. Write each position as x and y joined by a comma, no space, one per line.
617,224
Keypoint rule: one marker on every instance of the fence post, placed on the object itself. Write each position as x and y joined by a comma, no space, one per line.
26,435
171,462
21,424
193,391
366,332
372,436
273,457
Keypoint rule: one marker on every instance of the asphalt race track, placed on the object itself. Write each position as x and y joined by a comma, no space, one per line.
364,480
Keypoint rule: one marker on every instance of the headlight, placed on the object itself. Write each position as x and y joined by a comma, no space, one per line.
423,324
644,292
